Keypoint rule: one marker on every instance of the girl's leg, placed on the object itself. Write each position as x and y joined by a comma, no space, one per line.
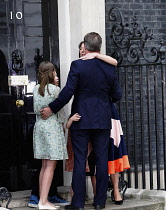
71,191
41,174
115,182
93,180
47,173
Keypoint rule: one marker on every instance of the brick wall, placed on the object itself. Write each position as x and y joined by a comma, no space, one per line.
149,13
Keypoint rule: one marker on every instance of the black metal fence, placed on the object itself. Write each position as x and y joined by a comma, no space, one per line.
142,75
143,115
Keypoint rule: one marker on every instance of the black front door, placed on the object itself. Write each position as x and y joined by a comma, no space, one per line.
28,35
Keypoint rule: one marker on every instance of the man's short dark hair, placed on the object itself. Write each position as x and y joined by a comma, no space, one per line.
93,42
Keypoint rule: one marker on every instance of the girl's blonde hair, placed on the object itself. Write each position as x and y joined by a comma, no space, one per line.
45,76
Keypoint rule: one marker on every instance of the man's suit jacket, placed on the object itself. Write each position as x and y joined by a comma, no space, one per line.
93,83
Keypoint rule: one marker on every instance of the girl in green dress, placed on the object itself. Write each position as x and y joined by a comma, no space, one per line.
48,135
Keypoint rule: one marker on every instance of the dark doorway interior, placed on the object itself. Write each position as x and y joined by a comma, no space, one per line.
35,37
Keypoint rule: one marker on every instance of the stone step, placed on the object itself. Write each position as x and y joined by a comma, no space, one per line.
21,198
127,205
132,201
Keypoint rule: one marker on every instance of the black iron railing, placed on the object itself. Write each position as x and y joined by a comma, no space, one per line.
5,195
141,72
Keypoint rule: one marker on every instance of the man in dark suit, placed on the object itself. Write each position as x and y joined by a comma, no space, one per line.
93,83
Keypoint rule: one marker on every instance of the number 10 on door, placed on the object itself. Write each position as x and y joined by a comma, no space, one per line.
18,15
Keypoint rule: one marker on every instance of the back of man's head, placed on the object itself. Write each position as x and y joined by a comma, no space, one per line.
93,42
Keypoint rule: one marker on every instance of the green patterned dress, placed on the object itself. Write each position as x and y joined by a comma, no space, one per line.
48,136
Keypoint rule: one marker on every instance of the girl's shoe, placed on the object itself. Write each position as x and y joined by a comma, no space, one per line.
47,207
33,201
58,200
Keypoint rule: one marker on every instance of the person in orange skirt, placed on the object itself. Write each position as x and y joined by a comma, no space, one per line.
117,155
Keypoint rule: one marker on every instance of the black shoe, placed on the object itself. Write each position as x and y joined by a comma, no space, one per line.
71,207
119,202
98,207
113,199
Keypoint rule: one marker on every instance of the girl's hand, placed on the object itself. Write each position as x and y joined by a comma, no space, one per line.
89,56
75,117
56,80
